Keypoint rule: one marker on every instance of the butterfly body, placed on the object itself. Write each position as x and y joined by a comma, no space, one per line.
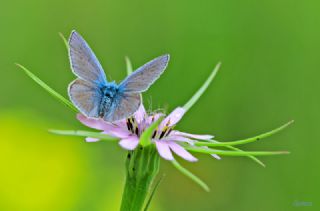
109,94
94,96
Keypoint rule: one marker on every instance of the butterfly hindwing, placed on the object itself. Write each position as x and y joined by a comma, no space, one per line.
123,106
83,61
86,97
141,79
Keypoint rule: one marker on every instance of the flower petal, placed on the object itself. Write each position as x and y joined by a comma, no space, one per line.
89,139
121,123
178,138
152,118
216,156
98,124
213,155
173,118
118,132
164,150
90,122
129,143
140,114
194,136
179,150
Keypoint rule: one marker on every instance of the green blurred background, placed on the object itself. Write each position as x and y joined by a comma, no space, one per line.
270,75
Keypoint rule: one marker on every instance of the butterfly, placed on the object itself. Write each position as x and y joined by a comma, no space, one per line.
94,96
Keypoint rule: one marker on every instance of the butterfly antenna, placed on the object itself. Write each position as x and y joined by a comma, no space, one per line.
165,108
150,104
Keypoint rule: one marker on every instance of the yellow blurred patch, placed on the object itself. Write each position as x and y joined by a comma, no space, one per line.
36,167
42,171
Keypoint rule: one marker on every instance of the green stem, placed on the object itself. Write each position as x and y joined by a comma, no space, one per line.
142,166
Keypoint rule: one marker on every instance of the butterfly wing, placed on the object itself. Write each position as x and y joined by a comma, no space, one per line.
123,106
83,61
85,96
129,99
141,79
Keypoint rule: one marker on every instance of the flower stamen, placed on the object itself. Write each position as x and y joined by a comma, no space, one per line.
133,126
154,134
169,131
129,125
162,133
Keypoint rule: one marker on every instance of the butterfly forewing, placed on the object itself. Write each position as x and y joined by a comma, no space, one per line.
86,97
141,79
83,61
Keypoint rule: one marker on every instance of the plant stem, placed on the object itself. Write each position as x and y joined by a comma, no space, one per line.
142,165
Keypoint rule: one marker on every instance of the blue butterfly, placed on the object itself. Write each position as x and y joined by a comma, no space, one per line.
94,96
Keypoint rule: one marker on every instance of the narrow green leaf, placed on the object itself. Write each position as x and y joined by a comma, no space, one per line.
234,153
128,65
153,192
65,41
249,156
237,149
48,89
245,141
202,89
145,138
83,133
190,175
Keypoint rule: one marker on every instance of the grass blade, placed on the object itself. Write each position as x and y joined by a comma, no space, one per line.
83,133
48,89
234,153
245,141
155,188
190,175
145,138
249,156
237,149
128,65
65,41
202,89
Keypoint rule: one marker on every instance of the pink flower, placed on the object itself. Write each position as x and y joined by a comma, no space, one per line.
166,139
